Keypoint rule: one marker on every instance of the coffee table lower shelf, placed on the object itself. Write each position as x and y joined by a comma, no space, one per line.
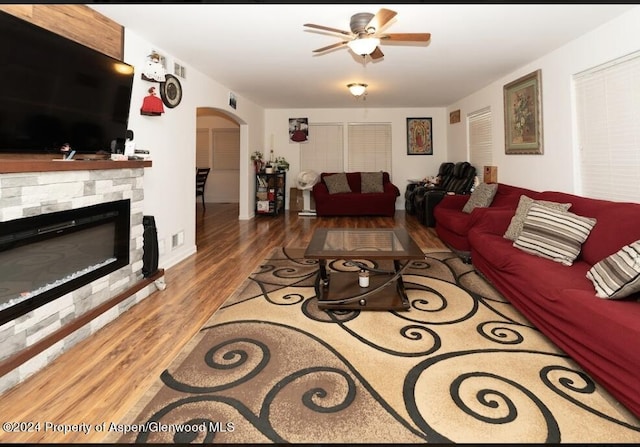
383,292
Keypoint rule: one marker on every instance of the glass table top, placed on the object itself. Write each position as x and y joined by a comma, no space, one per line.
375,243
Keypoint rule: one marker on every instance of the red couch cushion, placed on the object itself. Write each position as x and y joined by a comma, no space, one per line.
617,223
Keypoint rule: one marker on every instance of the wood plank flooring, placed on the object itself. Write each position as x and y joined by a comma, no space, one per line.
101,378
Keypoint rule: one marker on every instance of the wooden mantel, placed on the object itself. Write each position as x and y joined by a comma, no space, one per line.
8,166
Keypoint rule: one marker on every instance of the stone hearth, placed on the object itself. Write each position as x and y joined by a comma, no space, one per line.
24,194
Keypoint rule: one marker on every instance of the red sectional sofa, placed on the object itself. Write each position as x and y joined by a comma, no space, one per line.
600,334
452,225
355,203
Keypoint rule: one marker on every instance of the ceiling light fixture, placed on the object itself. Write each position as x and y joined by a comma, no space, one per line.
357,89
364,45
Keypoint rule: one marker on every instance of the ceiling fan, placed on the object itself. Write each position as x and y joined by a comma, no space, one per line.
365,36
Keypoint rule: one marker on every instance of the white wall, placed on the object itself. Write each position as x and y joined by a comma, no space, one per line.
171,138
556,168
403,166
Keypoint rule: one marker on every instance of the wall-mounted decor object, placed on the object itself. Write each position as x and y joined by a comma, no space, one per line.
298,130
419,136
151,104
523,115
232,100
454,117
171,91
154,68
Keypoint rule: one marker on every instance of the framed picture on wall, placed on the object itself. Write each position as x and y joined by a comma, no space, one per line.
233,102
298,130
523,115
419,136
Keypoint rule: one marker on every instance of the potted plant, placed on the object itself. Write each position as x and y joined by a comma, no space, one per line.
282,164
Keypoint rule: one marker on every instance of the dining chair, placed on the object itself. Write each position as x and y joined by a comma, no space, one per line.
201,180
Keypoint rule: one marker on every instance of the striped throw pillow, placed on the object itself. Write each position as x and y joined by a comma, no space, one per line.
525,202
617,276
553,234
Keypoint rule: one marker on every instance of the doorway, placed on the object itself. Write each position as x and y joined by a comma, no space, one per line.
218,148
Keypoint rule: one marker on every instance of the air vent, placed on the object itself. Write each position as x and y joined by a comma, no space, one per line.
179,70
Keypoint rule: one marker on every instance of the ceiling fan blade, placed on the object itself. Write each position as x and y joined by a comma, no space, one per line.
326,28
407,37
381,18
377,54
329,47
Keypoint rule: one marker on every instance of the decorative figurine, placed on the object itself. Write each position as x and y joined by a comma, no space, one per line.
152,105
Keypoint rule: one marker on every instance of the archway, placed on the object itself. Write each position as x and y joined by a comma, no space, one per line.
218,148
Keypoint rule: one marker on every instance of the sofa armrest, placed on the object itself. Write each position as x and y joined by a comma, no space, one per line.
320,190
491,220
429,202
390,188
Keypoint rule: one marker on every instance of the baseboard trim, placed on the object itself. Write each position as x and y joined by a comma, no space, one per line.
21,357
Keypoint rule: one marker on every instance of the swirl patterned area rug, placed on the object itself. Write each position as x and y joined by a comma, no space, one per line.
462,366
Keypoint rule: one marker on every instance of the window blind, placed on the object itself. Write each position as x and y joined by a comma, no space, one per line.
226,149
323,151
607,104
369,147
202,148
480,139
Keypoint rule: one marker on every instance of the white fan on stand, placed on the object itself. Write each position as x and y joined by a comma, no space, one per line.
305,182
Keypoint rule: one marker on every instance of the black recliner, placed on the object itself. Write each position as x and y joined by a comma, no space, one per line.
458,181
417,189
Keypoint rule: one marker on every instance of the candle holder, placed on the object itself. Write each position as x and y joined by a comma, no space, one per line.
363,278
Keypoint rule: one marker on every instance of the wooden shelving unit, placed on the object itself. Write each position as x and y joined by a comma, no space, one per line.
270,193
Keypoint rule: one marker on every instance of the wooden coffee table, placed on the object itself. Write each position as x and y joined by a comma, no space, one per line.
391,249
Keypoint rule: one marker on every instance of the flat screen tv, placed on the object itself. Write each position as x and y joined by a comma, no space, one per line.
55,91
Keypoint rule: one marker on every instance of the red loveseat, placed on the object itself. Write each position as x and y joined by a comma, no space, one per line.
355,203
599,334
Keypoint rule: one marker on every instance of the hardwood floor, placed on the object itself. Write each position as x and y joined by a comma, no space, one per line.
101,378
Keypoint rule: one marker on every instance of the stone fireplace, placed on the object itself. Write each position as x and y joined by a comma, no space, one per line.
49,284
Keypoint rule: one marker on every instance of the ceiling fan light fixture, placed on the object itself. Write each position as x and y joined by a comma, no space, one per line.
357,89
364,45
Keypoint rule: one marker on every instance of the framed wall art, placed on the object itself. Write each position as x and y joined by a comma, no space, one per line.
419,136
298,130
523,115
454,117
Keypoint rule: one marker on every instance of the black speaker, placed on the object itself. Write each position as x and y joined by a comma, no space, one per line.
117,146
150,246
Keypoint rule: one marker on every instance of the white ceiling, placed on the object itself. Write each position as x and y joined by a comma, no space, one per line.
263,52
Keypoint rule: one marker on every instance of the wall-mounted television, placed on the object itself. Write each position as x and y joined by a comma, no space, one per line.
54,91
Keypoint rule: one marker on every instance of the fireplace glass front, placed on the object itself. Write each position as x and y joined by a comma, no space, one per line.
46,256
